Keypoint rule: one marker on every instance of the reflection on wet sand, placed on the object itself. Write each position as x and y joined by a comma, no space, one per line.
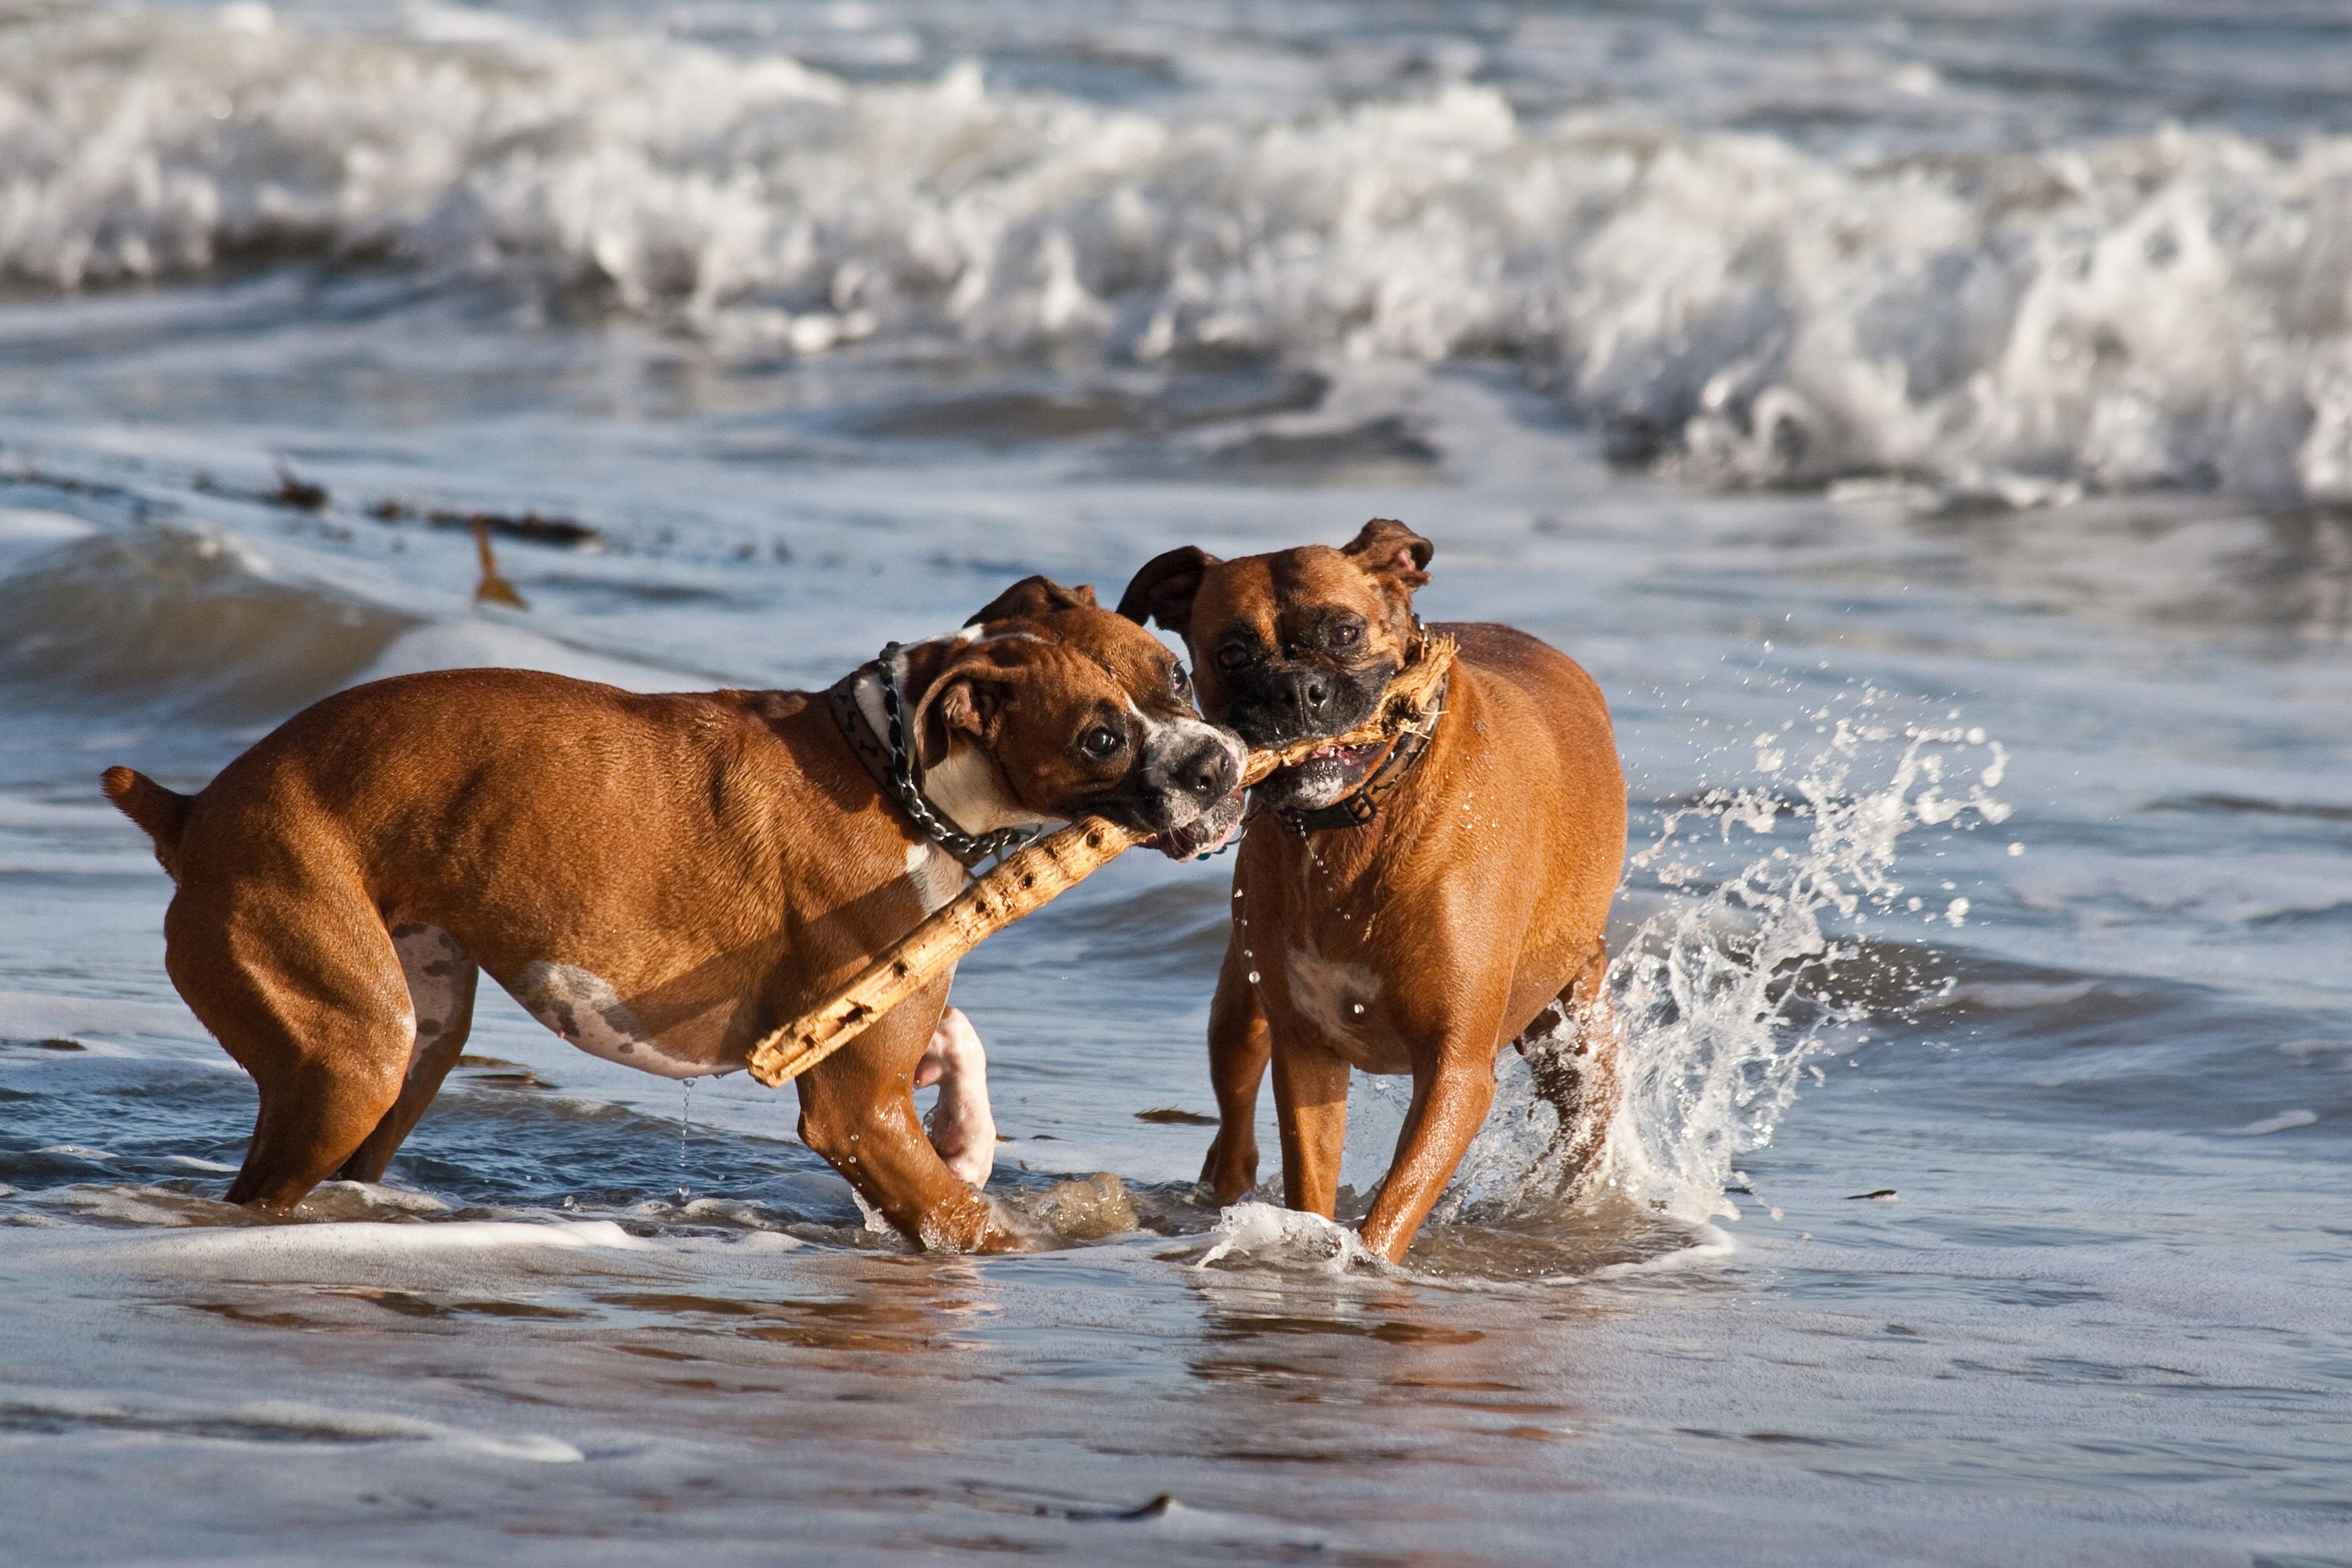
1285,1372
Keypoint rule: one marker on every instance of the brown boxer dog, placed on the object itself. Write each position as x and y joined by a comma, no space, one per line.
1412,908
659,880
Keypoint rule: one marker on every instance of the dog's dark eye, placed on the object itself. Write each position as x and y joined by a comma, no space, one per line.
1101,742
1233,656
1178,681
1344,636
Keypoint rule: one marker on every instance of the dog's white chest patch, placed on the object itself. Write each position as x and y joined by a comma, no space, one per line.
584,1009
935,875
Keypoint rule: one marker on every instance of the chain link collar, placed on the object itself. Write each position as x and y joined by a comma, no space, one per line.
963,846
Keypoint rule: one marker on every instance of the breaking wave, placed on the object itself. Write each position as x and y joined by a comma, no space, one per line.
199,621
2159,310
207,623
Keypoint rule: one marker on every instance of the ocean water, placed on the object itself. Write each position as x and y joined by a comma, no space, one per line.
1931,423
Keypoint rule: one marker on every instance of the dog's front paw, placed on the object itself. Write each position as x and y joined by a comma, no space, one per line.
1231,1169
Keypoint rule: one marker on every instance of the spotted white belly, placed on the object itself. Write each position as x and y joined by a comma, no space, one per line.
440,985
584,1009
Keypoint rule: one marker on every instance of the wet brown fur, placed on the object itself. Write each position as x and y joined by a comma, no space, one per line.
721,859
1474,903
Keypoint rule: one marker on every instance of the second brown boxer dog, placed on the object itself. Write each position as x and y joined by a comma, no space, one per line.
660,880
1406,909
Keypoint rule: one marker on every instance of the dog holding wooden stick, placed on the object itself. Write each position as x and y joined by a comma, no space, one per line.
1411,906
658,879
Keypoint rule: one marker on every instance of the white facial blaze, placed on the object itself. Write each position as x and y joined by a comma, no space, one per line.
1184,734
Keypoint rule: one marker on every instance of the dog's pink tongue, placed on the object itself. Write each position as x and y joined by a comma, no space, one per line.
1208,833
1226,831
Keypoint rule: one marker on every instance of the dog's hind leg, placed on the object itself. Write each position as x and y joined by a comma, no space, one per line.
1579,1074
301,985
441,984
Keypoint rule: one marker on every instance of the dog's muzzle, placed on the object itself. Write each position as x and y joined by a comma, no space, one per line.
1193,773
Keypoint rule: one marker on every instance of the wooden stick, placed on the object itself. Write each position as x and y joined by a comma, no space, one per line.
1027,880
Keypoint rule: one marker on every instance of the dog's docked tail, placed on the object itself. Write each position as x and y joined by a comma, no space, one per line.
163,813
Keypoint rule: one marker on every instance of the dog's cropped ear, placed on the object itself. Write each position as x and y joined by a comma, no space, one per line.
1032,597
964,704
1387,548
1164,589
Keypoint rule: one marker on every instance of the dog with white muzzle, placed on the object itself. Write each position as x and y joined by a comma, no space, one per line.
658,879
1410,907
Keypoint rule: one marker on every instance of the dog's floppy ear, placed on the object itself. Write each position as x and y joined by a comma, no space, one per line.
1163,590
1387,548
1032,597
961,704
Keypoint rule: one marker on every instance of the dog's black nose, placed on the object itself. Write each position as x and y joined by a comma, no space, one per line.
1209,773
1303,696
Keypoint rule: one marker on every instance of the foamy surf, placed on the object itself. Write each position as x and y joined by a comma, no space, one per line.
1268,1235
275,1421
296,1245
2143,312
1710,1246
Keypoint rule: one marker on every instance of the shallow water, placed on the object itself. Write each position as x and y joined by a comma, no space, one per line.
1805,379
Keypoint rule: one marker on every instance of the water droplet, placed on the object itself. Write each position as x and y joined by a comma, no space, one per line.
1252,976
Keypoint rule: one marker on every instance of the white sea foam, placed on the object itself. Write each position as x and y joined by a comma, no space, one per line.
2163,309
2283,1121
1709,1246
282,1243
27,532
34,1014
1267,1233
1726,991
281,1421
1723,997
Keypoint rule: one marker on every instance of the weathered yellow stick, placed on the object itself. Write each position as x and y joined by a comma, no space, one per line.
1027,880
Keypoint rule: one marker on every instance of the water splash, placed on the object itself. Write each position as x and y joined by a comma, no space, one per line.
1726,993
1269,1235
